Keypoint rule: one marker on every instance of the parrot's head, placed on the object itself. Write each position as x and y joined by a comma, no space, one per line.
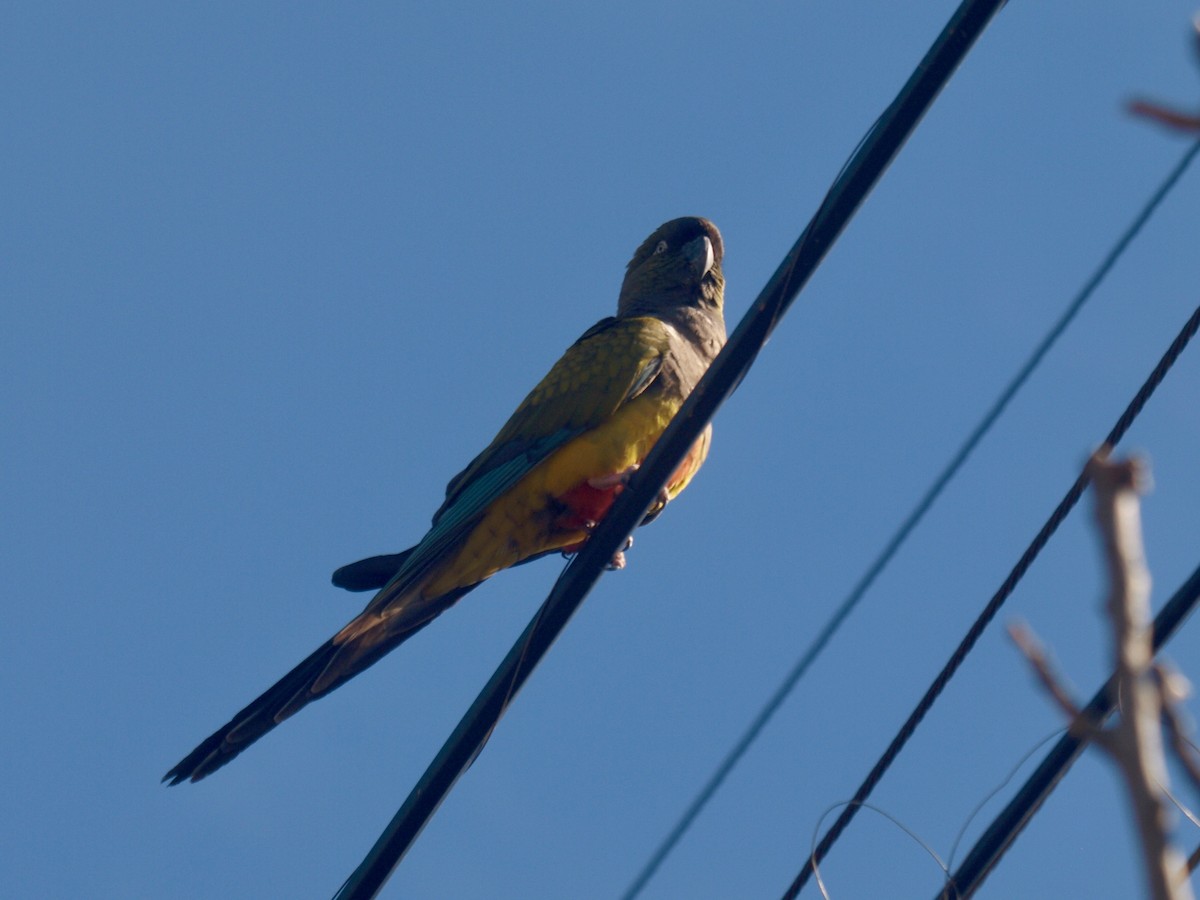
679,265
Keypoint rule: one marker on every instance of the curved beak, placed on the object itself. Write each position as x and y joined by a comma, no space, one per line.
699,254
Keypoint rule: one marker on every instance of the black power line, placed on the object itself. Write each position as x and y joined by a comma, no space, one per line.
847,194
1005,828
898,538
989,611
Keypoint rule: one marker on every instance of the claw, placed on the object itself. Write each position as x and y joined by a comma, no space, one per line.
656,508
616,479
618,560
615,565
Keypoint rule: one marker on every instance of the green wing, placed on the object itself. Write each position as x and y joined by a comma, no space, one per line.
613,362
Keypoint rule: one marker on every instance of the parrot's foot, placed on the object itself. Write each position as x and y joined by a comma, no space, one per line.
618,561
621,479
616,479
660,503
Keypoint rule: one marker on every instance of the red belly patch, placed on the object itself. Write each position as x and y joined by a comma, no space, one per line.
584,506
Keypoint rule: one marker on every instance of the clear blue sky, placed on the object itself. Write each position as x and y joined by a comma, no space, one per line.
273,273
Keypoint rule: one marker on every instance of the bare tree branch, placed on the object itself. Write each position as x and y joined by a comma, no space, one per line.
1137,735
1135,742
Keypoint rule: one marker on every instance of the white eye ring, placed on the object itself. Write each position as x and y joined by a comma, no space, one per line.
661,248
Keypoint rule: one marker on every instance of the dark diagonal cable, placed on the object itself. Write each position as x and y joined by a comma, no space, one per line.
848,192
901,534
1011,821
993,606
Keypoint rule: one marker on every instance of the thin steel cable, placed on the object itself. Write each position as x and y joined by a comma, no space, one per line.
993,606
864,583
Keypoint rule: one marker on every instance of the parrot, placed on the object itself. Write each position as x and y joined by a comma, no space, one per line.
542,485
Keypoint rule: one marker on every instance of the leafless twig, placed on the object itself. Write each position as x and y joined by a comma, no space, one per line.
1176,119
1174,690
1135,741
1081,726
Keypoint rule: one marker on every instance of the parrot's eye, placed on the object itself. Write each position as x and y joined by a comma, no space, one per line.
661,248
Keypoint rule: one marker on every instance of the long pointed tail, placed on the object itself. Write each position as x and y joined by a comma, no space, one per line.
331,665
